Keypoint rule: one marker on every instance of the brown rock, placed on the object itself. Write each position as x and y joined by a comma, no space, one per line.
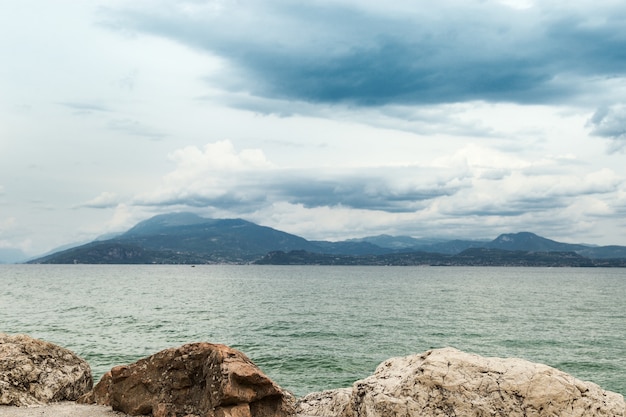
448,382
197,379
36,372
100,394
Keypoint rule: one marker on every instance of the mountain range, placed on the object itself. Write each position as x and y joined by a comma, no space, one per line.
186,238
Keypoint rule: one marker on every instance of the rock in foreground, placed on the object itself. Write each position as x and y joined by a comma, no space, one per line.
197,379
448,382
37,372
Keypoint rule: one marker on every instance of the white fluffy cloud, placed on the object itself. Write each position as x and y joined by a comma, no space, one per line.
104,200
215,157
212,175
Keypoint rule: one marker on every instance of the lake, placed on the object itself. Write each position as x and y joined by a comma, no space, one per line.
312,328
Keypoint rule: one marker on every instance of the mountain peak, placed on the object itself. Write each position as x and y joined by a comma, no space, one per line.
530,242
518,237
166,220
175,219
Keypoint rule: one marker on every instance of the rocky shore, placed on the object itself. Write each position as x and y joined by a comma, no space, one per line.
40,379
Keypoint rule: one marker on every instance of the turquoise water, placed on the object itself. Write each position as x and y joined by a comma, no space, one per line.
312,328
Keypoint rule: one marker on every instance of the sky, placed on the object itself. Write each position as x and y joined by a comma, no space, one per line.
329,119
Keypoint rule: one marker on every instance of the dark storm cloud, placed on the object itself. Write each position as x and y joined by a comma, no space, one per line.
360,192
610,122
395,190
511,207
240,201
446,52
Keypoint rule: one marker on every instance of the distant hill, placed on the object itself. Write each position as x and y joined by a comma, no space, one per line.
532,242
398,242
227,239
10,256
603,252
522,241
349,247
186,238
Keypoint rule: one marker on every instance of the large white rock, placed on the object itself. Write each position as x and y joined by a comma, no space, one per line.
448,382
36,372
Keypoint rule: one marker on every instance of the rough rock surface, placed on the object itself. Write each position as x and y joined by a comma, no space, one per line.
36,372
197,379
329,403
448,382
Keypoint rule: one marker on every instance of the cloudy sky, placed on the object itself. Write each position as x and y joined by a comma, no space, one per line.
329,119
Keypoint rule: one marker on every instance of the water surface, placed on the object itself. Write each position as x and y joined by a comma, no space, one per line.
319,327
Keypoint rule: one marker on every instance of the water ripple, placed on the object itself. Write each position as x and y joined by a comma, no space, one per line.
313,328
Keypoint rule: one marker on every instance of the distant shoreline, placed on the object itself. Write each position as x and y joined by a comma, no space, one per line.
480,257
470,257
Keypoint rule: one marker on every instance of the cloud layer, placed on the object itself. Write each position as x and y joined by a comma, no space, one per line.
610,122
366,55
476,184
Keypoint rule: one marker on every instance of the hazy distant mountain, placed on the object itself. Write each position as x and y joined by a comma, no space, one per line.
522,241
350,247
11,256
398,242
603,252
455,246
188,238
531,242
431,245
